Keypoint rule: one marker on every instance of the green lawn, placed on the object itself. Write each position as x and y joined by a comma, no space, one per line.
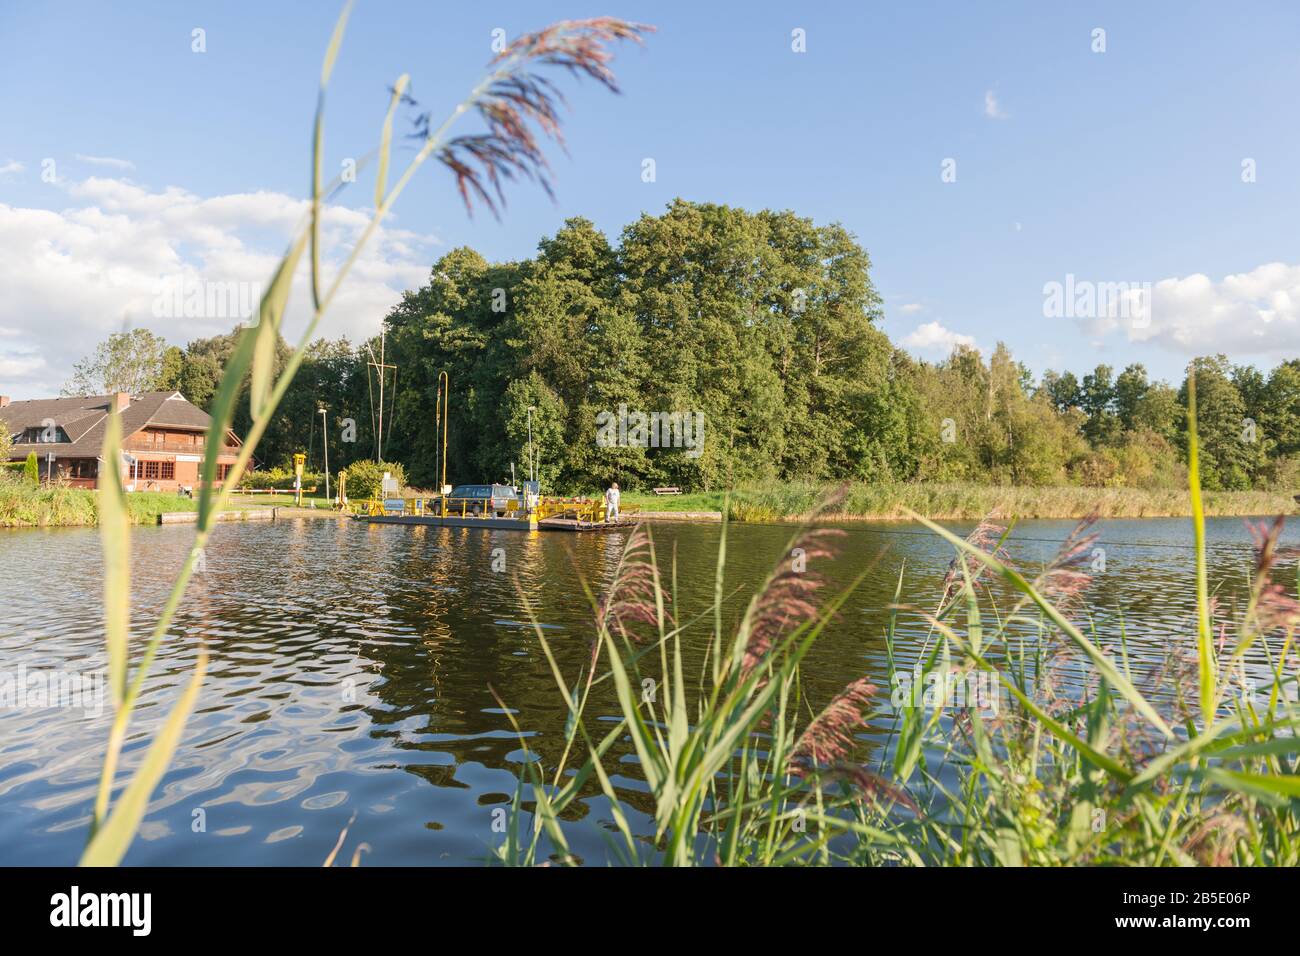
694,501
278,500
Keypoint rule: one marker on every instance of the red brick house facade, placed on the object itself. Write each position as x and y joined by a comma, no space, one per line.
163,438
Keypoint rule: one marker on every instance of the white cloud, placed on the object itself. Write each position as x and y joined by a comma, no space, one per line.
934,338
993,109
111,161
1247,313
73,276
911,308
20,366
10,167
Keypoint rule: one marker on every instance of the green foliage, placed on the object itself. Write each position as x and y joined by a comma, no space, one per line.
795,500
767,324
761,321
365,478
24,505
280,478
6,443
134,362
1230,447
32,469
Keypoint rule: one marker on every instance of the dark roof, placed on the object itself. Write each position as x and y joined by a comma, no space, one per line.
83,418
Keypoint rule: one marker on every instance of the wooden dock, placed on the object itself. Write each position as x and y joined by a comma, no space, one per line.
192,517
494,523
451,521
573,524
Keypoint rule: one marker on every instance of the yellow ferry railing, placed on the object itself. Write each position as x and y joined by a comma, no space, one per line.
588,510
463,507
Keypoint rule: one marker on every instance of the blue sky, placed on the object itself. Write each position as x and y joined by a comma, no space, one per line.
1116,166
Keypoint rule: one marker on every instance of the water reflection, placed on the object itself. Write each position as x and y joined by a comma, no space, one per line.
353,668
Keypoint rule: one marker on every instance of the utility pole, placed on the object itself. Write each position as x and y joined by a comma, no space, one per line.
325,440
379,434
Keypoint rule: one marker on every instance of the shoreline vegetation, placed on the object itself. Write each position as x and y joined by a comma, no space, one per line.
798,501
25,506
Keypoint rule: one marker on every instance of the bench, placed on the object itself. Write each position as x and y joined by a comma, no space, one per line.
667,491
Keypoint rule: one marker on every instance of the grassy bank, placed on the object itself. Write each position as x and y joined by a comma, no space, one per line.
795,501
25,506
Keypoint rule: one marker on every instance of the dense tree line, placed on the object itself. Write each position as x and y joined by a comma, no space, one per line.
768,325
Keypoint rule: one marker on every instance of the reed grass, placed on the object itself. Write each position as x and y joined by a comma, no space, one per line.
24,505
794,501
1174,766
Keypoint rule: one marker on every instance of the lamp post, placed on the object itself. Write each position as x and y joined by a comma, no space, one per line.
325,440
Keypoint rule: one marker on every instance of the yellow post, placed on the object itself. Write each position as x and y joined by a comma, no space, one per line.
299,460
343,489
442,417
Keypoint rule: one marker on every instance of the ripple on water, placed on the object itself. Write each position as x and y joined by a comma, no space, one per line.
353,669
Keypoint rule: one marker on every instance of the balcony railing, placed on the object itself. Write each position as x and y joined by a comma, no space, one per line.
183,448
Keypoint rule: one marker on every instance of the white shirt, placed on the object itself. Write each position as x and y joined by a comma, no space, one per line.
611,497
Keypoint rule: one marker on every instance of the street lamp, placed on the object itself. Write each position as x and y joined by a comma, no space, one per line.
532,476
325,440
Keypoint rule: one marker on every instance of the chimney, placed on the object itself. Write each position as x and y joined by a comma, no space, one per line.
121,402
4,401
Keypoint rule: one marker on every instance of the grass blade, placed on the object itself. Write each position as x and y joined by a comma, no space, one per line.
1204,635
115,532
386,139
111,840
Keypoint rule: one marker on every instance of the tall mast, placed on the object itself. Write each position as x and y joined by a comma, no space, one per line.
383,370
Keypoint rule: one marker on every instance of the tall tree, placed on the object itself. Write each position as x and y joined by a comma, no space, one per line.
1226,441
1097,399
134,362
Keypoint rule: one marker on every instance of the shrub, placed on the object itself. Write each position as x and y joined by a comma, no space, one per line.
365,478
31,469
1282,474
280,478
1096,469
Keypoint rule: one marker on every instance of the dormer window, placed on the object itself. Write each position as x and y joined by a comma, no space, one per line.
44,435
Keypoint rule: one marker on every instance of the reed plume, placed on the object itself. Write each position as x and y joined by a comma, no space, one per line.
788,599
830,735
515,98
634,595
987,537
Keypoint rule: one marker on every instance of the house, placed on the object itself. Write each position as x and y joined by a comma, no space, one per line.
163,438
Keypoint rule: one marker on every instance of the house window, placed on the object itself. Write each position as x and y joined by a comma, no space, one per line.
223,471
158,470
83,468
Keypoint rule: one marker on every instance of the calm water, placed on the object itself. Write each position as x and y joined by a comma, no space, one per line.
351,668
